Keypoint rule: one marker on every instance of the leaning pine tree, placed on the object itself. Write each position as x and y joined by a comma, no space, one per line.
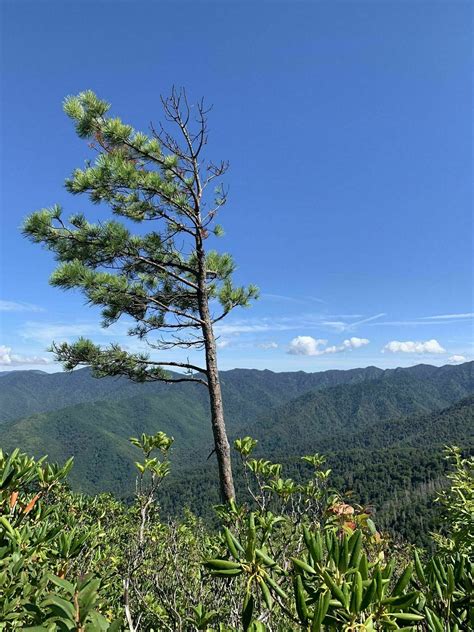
173,288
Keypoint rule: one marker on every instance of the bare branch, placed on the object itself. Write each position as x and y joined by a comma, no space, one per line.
183,365
186,379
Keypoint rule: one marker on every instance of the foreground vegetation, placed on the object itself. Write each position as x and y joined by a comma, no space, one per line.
297,557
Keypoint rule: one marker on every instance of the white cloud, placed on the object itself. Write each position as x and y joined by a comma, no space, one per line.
7,358
410,346
456,359
309,346
347,345
268,345
5,355
355,343
306,345
12,306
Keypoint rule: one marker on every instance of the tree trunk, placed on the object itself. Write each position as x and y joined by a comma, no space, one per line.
221,442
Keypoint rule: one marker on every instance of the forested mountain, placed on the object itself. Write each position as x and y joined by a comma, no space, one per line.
247,391
28,392
383,431
73,413
328,419
398,478
435,429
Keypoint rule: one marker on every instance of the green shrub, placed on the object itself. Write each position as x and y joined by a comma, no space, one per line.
298,556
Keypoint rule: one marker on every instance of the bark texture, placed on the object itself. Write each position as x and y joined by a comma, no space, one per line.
221,442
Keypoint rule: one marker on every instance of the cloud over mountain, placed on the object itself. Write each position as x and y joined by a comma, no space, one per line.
309,346
7,358
410,346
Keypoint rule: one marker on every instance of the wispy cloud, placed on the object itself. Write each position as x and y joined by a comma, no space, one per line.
466,316
345,316
367,320
440,319
456,359
267,345
45,333
13,306
337,325
411,346
222,343
408,323
243,327
344,325
336,322
309,346
7,358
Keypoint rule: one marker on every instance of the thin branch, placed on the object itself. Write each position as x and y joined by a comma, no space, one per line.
175,381
163,268
183,365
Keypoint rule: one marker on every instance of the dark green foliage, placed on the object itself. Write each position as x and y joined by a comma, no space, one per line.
27,392
391,461
97,434
326,419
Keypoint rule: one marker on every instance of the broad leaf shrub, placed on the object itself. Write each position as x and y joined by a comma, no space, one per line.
297,556
39,543
458,504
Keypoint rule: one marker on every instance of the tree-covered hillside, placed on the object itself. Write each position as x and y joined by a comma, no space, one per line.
327,419
74,413
397,479
383,431
23,393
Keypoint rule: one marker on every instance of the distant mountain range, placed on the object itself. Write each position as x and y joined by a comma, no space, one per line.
356,417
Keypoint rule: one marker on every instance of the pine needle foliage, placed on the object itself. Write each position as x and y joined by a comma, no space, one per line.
166,281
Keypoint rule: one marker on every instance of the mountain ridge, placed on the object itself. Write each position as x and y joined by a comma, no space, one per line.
330,407
29,392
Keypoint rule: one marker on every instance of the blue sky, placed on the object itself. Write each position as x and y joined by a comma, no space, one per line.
348,130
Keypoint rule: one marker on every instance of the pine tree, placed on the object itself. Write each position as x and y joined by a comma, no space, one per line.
166,280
